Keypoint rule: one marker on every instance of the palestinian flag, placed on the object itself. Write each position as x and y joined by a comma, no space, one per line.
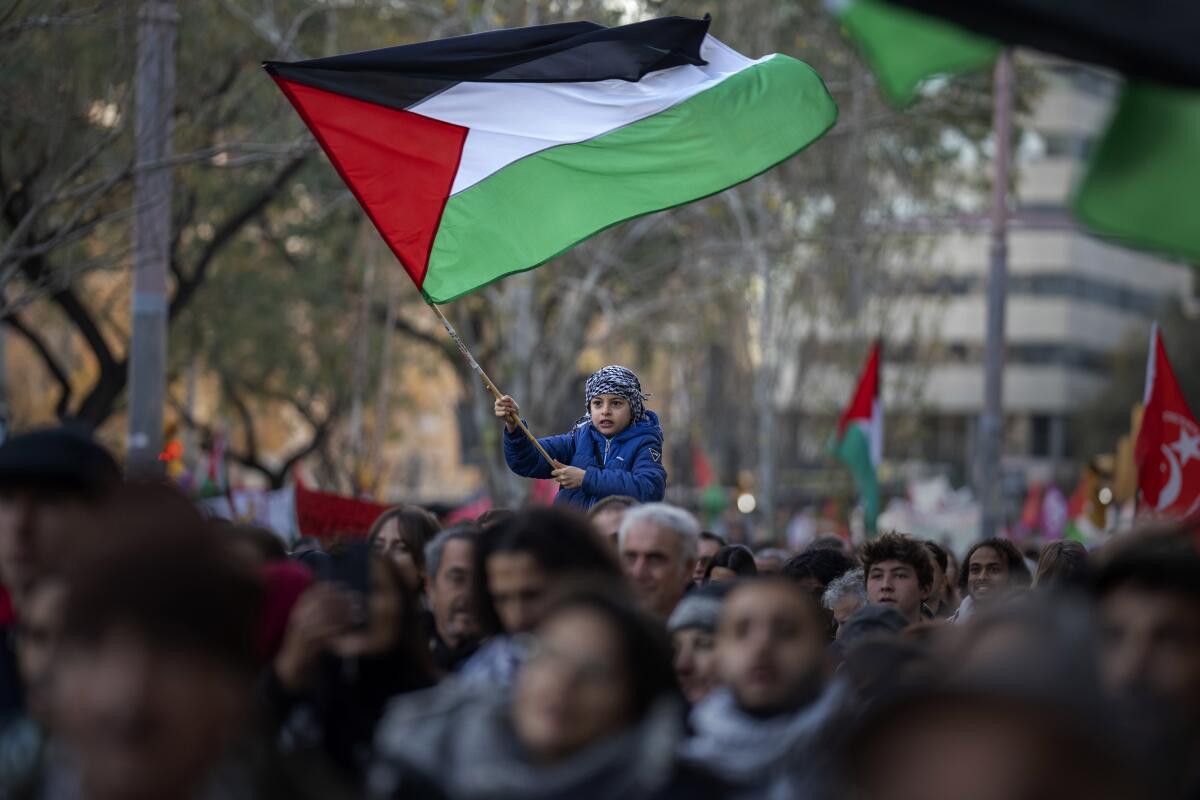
905,47
859,441
484,155
215,482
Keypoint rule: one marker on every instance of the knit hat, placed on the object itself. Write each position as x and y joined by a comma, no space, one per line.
699,609
58,458
619,381
872,620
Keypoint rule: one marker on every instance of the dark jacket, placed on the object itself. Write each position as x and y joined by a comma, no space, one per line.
337,716
629,463
12,691
446,658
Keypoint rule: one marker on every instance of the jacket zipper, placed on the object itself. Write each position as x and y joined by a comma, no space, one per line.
607,444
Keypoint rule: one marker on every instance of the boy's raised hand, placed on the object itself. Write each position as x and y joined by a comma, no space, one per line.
568,477
506,409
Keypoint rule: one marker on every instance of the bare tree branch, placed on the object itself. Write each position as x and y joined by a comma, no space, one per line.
189,282
53,366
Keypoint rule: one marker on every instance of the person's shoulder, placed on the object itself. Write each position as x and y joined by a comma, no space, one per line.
648,432
649,425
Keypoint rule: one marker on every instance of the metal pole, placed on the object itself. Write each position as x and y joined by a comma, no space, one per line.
151,236
362,355
991,423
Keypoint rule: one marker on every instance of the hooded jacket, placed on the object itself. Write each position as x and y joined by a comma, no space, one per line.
458,743
629,463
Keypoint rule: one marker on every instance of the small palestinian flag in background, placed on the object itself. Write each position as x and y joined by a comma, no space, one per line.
859,441
213,479
484,155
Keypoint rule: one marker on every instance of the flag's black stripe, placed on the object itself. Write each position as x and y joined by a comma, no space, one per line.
400,77
1151,39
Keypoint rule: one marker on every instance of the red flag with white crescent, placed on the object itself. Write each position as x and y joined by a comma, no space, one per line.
1168,444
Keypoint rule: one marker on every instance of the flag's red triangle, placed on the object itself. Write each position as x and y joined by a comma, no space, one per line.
1168,444
862,405
399,164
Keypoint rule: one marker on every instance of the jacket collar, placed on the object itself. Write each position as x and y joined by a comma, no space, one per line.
648,425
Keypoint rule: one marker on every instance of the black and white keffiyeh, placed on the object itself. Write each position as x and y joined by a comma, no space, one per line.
616,380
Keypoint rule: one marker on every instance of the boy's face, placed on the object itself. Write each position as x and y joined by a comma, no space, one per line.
895,583
610,414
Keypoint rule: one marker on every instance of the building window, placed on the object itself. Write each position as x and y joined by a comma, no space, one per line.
1040,436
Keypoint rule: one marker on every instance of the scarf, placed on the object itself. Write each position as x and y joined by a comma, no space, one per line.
620,382
461,739
747,750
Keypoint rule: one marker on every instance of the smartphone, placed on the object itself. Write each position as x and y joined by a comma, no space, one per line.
349,566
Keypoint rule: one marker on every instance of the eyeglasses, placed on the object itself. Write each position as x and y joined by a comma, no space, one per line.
535,651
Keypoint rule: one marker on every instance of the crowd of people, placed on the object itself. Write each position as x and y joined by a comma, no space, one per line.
624,653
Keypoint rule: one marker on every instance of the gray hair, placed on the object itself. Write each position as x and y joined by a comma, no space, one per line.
852,583
437,546
668,517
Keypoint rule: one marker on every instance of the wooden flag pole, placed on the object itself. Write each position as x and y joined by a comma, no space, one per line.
462,348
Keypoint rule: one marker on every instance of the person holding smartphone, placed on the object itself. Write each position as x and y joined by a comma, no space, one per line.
354,641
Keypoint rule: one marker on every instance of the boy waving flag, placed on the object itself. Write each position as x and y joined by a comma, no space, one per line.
484,155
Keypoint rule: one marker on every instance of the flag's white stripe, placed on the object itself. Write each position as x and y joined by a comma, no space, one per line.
876,432
509,121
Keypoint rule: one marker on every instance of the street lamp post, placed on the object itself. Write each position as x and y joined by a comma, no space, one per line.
157,21
991,424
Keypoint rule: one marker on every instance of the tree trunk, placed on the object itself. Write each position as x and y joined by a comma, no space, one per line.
764,393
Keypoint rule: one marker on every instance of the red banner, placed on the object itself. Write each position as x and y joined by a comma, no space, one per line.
326,515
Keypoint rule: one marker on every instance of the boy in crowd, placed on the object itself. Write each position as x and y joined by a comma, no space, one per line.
615,449
899,573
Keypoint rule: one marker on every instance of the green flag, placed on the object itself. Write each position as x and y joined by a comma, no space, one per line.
905,47
1141,185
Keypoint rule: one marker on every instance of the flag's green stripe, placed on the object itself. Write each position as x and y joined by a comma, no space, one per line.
537,207
1142,184
905,47
854,449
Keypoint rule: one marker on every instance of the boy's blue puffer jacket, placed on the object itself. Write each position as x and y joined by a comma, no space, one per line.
630,463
